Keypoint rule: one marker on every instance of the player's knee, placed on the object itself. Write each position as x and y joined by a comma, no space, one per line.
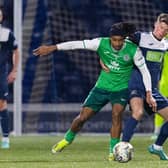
137,114
83,118
116,118
3,104
116,114
85,114
80,120
164,113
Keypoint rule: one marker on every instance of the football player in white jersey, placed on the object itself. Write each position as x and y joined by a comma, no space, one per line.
8,50
153,46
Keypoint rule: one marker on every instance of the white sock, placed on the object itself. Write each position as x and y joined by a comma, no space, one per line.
157,147
157,130
5,139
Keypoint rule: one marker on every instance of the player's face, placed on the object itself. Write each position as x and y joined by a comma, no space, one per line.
160,30
117,42
1,16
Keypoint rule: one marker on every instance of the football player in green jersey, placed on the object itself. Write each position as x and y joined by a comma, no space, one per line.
119,55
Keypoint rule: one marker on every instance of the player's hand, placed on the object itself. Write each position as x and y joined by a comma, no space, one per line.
12,76
104,67
44,50
151,101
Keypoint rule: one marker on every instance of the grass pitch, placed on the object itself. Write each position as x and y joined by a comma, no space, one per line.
84,152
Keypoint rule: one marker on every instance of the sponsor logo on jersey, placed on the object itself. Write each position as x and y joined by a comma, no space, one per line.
140,58
107,52
154,56
114,65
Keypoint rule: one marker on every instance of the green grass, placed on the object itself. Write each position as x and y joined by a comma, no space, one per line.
85,152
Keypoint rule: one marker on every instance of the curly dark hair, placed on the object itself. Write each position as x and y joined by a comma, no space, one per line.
122,29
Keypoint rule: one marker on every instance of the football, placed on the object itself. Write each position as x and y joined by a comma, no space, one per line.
123,152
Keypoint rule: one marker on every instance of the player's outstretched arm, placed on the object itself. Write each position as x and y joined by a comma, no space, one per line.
70,45
44,50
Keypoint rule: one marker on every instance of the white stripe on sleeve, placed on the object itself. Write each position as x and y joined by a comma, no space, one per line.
85,44
140,63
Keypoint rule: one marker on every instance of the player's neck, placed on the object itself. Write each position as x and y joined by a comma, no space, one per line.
153,33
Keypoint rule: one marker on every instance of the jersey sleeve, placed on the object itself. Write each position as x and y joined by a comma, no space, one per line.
85,44
141,65
12,41
166,43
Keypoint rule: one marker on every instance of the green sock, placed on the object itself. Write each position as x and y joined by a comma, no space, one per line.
70,135
113,142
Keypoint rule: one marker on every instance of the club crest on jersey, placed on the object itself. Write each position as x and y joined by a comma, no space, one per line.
126,58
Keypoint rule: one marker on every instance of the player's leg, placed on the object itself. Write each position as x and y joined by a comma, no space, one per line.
115,131
76,126
162,107
4,124
136,104
158,122
4,112
157,147
93,103
119,101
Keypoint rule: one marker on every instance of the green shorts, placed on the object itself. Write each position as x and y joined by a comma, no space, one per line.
98,98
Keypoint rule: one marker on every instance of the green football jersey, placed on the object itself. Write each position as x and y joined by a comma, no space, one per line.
119,62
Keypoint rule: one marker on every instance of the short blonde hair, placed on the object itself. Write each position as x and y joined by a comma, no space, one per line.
163,17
